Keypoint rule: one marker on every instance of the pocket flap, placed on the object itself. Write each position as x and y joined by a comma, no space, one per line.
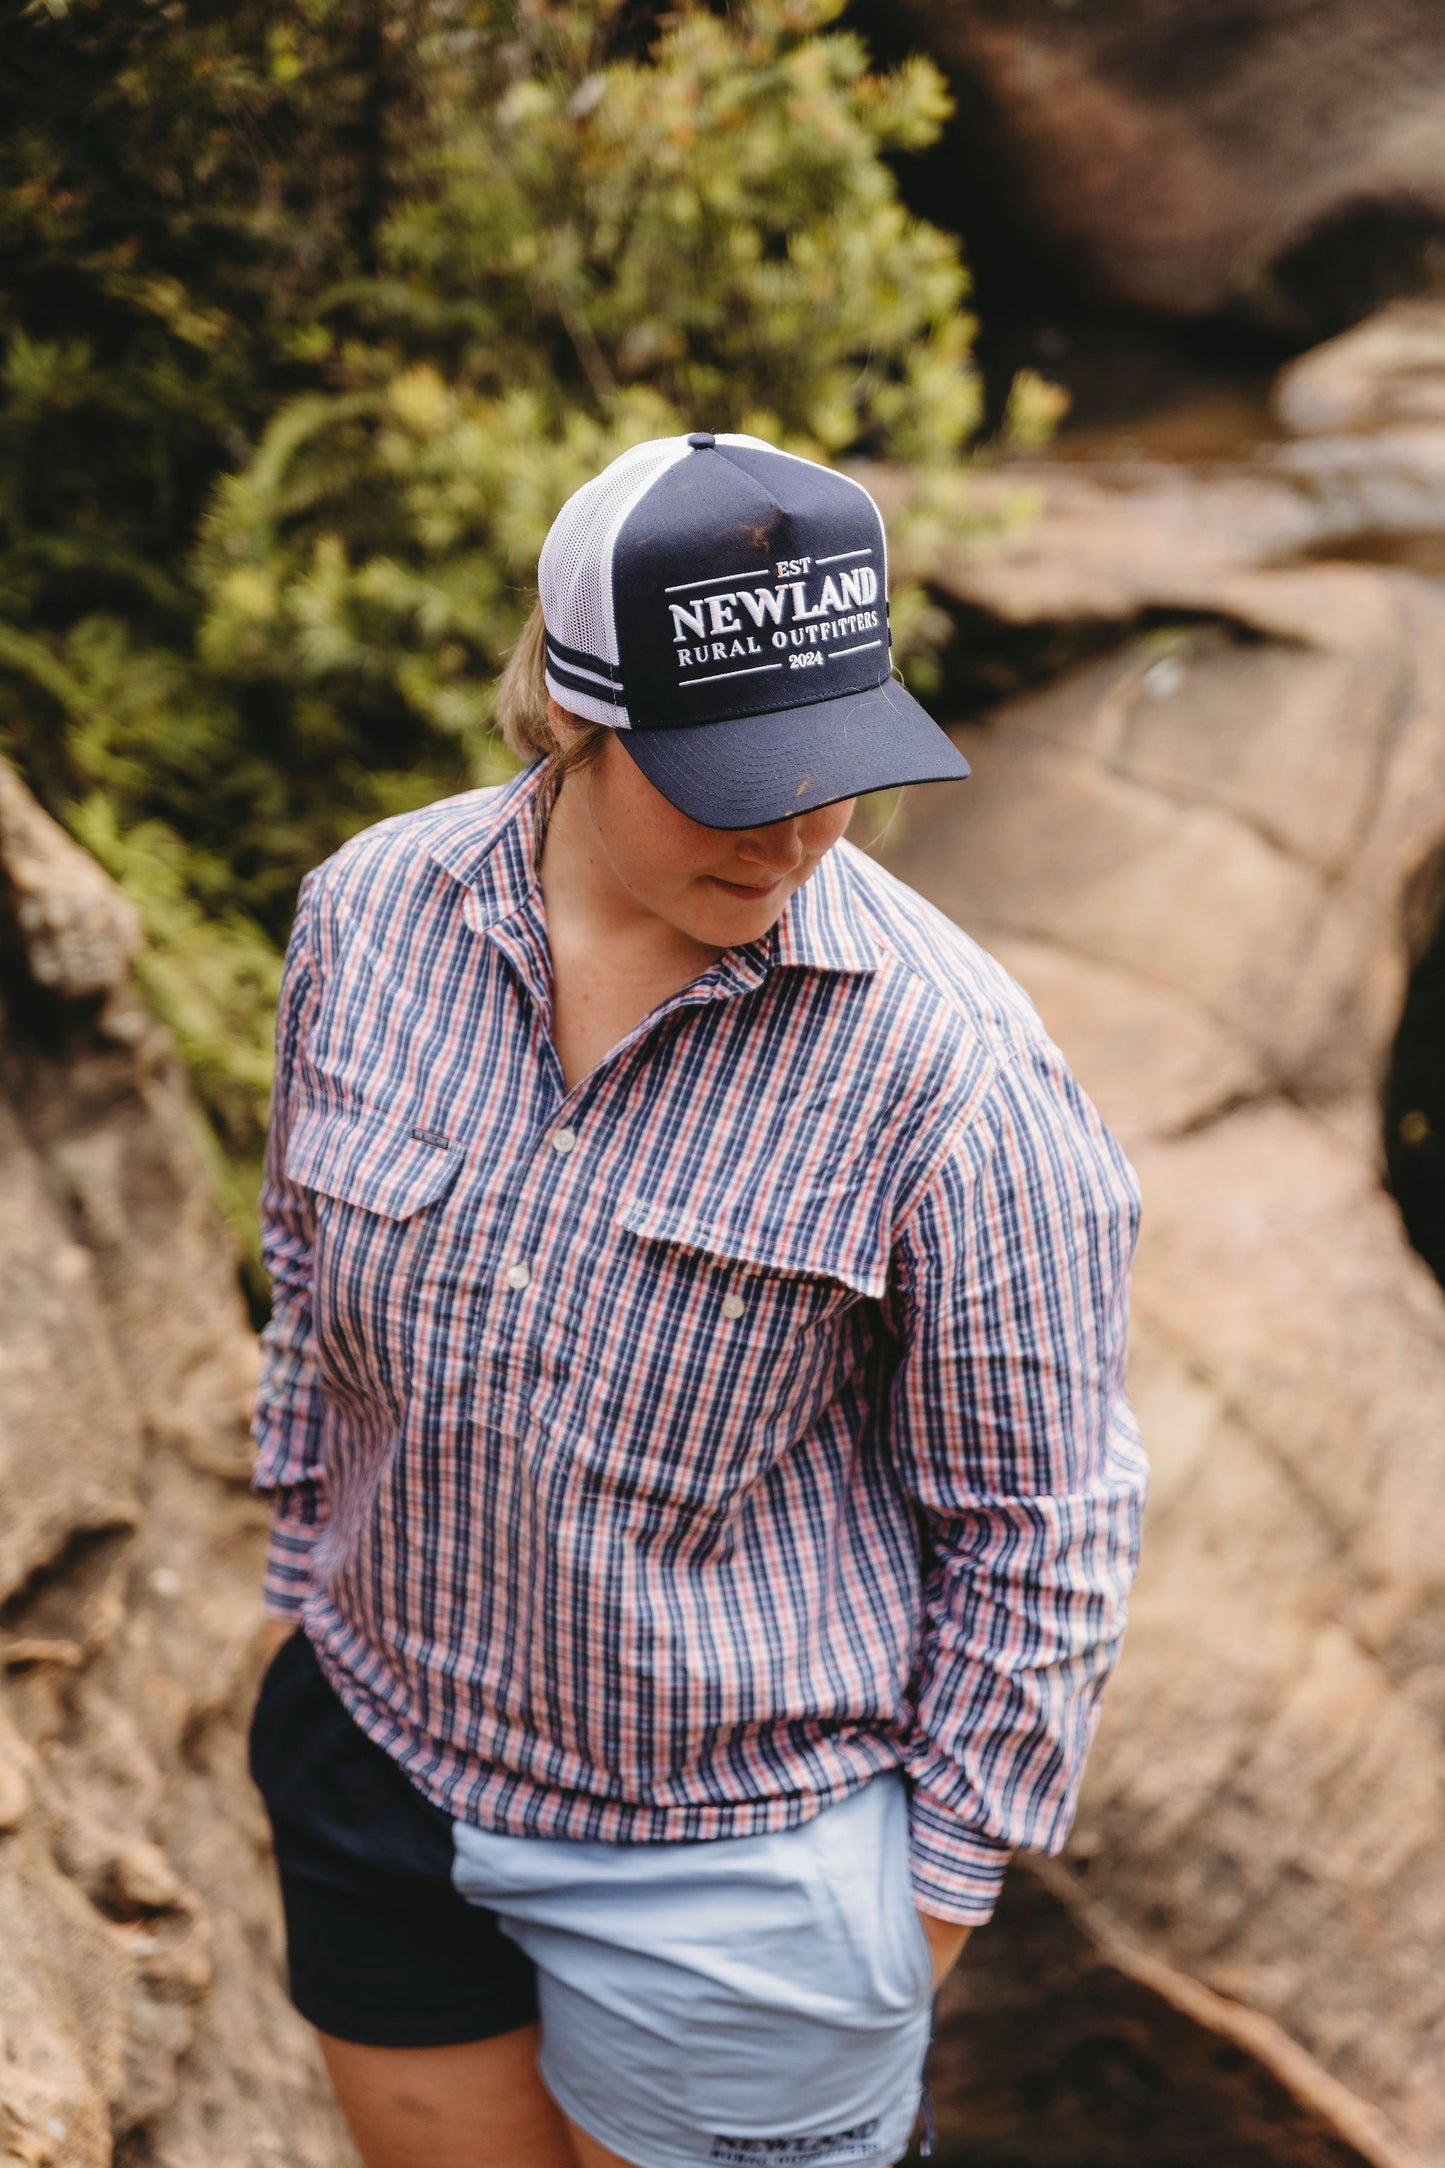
381,1162
830,1246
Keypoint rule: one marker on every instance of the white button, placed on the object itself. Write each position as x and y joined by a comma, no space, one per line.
564,1140
518,1275
732,1306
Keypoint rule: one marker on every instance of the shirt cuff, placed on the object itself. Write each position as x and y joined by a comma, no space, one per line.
297,1520
957,1874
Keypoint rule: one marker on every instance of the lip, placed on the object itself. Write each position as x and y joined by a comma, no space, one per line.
754,895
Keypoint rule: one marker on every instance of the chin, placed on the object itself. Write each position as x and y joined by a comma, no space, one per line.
731,927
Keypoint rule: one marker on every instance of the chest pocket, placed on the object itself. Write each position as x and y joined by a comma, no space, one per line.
378,1186
699,1355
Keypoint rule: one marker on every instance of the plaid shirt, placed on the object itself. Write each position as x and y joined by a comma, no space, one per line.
663,1458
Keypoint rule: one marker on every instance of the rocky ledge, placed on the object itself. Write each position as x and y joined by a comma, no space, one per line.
142,2017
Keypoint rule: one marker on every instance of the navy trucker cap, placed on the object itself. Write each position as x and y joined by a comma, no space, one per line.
724,606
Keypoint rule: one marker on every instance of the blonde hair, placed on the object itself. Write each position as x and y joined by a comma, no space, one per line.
522,714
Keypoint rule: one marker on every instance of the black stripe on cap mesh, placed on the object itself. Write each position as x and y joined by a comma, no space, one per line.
579,659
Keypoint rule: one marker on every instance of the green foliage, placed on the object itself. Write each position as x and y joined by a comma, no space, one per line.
311,315
581,256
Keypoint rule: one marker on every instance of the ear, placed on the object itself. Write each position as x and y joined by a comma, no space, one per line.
566,726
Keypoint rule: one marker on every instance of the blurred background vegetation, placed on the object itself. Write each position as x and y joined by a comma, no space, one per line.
310,317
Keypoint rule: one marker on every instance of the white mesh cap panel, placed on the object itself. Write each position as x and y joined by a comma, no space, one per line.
599,707
574,573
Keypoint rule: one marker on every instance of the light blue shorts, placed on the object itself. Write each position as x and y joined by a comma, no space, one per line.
729,2003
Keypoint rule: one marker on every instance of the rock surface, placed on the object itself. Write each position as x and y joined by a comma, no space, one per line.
1286,160
142,2017
1200,847
1387,371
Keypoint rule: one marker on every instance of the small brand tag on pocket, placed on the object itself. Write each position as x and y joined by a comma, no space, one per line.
433,1136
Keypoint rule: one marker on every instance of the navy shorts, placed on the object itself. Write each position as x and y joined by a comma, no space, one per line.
380,1947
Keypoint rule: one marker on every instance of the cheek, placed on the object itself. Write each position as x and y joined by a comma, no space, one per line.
666,875
821,830
652,847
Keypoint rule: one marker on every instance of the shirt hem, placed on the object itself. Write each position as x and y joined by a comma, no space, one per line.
509,1802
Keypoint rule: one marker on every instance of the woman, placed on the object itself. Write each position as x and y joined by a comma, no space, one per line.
693,1399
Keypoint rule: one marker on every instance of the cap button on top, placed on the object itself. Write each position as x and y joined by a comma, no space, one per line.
732,1306
701,440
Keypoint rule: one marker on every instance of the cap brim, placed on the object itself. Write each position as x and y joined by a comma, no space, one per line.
748,770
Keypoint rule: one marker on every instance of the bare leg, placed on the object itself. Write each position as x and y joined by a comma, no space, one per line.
478,2105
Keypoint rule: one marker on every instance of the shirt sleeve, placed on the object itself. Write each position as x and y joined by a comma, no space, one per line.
1016,1444
286,1423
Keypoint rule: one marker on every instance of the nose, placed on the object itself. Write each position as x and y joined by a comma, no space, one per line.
775,849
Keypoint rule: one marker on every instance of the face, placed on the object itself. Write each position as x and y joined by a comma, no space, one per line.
721,886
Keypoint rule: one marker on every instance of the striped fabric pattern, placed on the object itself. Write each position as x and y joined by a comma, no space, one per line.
662,1459
572,670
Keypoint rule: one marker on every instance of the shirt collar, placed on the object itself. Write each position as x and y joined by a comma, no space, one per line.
491,849
824,926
